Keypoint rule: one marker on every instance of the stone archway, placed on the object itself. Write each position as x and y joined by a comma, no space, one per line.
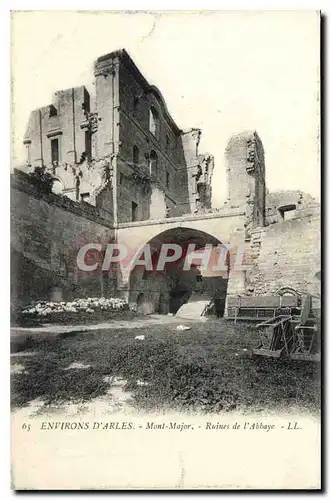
58,185
166,290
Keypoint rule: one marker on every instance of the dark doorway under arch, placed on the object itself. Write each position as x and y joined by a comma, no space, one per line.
168,289
163,303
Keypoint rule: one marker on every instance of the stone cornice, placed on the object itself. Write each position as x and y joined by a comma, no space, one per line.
53,133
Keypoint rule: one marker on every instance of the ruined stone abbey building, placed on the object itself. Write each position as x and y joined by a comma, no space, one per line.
107,155
124,172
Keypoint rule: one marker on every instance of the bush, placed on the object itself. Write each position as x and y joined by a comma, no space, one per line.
42,179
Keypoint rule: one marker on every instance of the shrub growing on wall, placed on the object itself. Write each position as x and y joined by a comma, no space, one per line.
42,179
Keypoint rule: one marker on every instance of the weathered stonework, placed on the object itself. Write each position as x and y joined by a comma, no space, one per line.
126,173
286,253
46,233
119,131
245,168
283,205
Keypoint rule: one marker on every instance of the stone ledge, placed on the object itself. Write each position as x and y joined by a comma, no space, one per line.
184,218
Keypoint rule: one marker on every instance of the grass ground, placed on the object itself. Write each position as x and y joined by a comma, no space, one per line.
207,368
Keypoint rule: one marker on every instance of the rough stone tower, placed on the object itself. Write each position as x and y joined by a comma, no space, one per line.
200,171
106,72
245,170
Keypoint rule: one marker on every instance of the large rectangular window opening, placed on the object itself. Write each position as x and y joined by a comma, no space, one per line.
153,163
135,156
154,122
28,153
55,151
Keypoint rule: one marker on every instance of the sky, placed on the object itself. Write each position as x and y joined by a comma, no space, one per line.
222,71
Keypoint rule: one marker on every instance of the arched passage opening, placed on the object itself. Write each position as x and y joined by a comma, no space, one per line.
177,266
58,186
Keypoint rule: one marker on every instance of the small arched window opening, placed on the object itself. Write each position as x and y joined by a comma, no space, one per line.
55,154
63,267
134,211
167,143
153,163
135,104
135,155
52,111
154,122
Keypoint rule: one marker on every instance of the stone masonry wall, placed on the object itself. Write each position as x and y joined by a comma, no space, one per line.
46,234
131,130
136,98
245,169
123,102
286,254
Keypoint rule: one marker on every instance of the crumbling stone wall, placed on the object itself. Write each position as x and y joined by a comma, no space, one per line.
204,182
245,168
286,254
112,169
117,133
61,120
46,233
125,131
296,201
199,171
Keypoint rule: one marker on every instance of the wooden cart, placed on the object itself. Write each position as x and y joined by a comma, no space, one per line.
276,337
294,335
306,346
